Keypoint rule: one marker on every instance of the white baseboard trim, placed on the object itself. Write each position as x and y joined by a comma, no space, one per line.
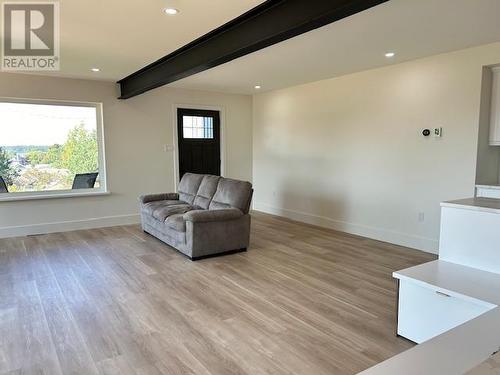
429,245
66,226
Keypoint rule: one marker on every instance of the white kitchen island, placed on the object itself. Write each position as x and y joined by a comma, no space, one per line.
451,306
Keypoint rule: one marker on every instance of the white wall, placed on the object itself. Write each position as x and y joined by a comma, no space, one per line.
135,131
348,153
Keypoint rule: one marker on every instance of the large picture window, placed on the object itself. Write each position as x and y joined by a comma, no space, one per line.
50,148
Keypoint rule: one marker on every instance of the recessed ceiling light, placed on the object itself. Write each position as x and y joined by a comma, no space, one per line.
95,70
258,87
390,54
171,11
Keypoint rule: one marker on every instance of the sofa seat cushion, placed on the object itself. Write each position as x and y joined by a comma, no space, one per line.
162,211
150,207
176,222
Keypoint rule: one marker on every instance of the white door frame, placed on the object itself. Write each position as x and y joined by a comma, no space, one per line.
222,115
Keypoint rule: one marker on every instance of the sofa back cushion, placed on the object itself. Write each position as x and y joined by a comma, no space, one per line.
188,187
232,193
206,191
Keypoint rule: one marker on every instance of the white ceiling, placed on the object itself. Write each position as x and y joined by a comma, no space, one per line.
411,28
120,37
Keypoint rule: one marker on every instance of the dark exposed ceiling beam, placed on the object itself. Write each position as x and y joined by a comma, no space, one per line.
269,23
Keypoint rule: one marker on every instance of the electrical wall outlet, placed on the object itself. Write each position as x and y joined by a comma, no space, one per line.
421,217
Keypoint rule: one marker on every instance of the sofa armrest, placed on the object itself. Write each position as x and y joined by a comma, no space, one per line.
158,197
204,216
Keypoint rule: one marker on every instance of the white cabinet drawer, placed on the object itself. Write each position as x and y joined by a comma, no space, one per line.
424,312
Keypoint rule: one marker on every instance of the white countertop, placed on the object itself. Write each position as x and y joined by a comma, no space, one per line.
461,348
451,353
454,279
477,204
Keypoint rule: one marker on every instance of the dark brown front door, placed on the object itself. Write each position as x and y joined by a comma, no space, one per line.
199,141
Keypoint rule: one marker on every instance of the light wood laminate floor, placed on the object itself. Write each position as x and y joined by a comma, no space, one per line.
302,300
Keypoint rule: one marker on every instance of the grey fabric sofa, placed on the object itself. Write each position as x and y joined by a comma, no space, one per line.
208,216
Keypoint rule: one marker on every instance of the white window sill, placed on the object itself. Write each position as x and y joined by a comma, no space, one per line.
9,197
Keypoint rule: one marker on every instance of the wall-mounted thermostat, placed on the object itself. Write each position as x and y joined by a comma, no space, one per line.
438,132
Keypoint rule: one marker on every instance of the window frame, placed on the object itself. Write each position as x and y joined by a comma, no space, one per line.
68,193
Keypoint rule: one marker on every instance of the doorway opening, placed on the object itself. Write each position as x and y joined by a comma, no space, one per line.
199,141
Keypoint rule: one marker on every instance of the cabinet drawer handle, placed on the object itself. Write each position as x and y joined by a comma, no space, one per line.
442,294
